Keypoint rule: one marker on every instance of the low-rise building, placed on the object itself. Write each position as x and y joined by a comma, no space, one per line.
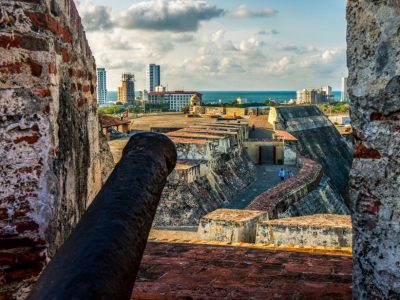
176,100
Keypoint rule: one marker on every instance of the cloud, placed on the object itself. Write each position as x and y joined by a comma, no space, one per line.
243,11
280,66
165,15
268,32
297,49
182,37
95,17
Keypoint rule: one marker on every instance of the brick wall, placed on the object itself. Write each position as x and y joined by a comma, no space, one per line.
50,167
278,199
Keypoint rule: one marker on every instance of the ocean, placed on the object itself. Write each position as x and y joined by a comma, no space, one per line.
252,97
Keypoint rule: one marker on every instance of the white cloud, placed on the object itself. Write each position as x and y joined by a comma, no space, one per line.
95,17
280,66
169,15
243,11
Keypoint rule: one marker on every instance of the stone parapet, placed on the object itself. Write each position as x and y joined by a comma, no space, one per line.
277,200
230,225
315,230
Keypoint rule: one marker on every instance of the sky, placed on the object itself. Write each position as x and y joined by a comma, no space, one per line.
210,45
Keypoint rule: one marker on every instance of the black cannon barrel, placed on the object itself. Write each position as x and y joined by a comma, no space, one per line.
101,258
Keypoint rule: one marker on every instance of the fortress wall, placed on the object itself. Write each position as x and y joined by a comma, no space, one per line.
315,230
221,144
225,170
50,150
185,202
318,139
373,57
188,171
280,198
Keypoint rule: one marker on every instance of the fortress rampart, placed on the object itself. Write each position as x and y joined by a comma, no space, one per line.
279,199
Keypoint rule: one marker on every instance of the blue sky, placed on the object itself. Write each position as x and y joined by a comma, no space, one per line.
220,45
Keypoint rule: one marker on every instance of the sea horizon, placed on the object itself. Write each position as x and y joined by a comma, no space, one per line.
251,96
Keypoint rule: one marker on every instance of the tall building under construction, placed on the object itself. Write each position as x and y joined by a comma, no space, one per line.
126,92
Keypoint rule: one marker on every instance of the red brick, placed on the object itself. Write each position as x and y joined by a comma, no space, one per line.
3,213
380,117
6,259
23,273
82,102
361,151
34,255
24,170
45,21
28,139
8,41
11,68
26,226
22,212
36,68
42,92
46,110
86,88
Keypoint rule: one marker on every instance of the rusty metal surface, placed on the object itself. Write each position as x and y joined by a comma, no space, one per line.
101,258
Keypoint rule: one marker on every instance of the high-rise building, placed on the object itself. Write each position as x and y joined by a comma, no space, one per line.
313,96
345,90
153,77
126,92
101,86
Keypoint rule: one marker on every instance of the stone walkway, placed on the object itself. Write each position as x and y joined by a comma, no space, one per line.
266,178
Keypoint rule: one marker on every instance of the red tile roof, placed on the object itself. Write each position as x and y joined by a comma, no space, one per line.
107,121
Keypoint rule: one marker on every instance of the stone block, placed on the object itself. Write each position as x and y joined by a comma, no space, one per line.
316,230
232,226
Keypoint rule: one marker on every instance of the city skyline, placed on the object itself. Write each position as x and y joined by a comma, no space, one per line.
264,45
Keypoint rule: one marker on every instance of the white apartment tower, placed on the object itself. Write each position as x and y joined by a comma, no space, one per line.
101,86
345,90
153,77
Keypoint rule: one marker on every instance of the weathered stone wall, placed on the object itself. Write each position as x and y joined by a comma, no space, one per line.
185,200
315,230
374,86
50,153
318,139
231,225
322,200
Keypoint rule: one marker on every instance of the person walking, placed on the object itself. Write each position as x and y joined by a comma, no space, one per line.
290,173
282,174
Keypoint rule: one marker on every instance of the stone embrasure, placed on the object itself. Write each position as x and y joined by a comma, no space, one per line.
229,225
373,58
316,230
